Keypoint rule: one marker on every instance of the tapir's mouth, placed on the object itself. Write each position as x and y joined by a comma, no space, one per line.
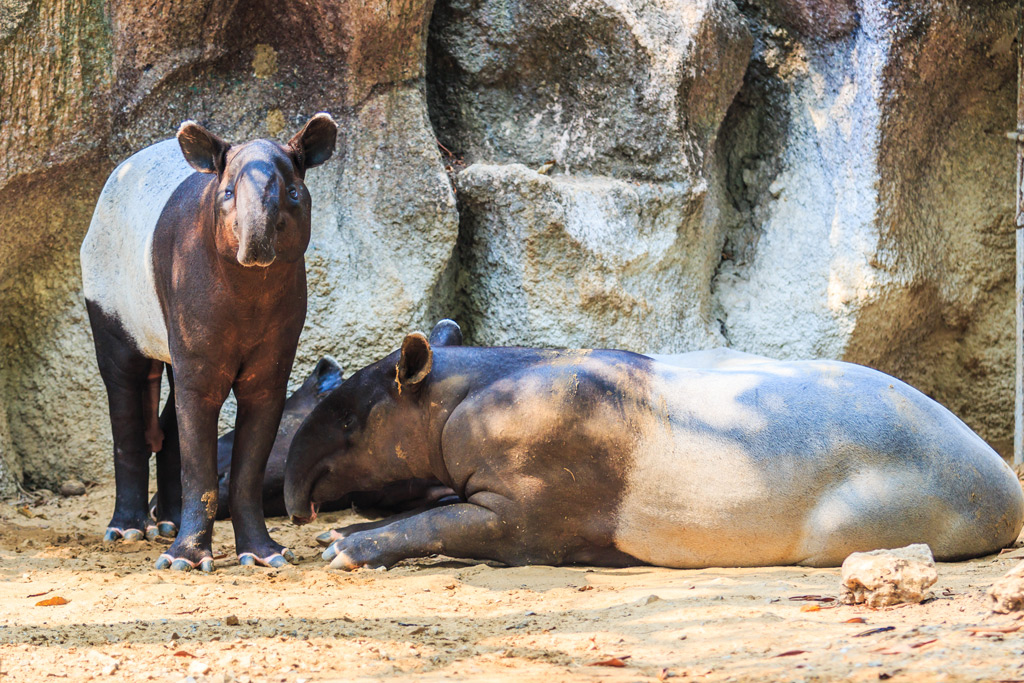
250,261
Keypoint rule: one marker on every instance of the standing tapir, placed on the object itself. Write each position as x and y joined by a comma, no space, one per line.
195,259
613,458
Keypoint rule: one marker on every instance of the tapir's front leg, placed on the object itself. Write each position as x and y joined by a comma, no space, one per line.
259,414
460,530
197,411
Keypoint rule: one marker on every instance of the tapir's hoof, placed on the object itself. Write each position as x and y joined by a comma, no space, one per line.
167,529
331,552
114,534
328,537
152,532
274,561
180,564
342,561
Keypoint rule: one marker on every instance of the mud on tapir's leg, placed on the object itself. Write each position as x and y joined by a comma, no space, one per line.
460,530
197,421
166,505
259,414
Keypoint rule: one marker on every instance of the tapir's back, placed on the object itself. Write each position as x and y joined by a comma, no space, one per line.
117,253
804,462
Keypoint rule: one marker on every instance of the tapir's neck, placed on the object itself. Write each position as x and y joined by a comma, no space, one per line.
457,371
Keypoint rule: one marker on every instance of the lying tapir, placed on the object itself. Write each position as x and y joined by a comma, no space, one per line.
613,458
325,376
194,259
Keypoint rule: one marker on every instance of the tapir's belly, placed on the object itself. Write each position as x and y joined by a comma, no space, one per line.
791,463
117,253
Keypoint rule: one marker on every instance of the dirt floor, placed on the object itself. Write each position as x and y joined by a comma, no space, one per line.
445,620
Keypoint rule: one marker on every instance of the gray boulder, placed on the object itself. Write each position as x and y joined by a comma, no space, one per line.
630,90
584,261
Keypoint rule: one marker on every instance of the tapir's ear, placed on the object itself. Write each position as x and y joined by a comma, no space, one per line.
416,361
203,150
327,374
446,333
314,144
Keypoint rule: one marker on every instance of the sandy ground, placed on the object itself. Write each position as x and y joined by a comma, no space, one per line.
445,620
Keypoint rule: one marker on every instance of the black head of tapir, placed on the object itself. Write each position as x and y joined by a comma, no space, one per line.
369,431
262,206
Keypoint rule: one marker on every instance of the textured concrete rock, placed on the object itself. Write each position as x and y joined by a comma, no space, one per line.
127,73
591,262
1007,594
888,577
871,202
383,238
627,89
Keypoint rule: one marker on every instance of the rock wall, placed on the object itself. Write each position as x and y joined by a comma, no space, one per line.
878,228
799,178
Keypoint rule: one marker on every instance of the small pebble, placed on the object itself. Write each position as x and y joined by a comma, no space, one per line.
231,620
72,487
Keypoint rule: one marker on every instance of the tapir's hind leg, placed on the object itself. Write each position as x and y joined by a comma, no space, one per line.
166,503
127,375
877,510
460,530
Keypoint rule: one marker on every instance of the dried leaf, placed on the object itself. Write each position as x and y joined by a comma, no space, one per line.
50,602
36,595
816,598
182,653
614,661
855,620
873,631
790,653
585,588
810,608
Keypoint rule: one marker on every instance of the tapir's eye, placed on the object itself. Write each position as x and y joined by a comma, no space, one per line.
293,192
228,194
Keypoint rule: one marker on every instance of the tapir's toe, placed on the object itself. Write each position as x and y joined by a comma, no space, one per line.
331,552
167,529
343,561
275,560
133,534
328,537
181,564
114,534
152,532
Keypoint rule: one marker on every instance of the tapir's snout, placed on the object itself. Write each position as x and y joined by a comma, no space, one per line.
313,509
258,218
251,255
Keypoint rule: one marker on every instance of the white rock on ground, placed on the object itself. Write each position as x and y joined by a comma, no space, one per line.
1007,594
888,577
